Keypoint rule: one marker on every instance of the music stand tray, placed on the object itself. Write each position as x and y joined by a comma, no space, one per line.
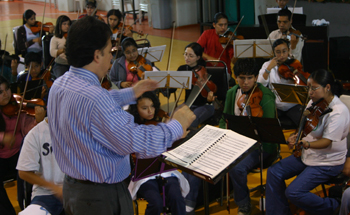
296,94
253,48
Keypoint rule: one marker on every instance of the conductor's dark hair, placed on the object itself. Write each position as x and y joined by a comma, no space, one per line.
246,66
324,77
279,42
27,14
58,28
86,36
133,108
285,12
219,16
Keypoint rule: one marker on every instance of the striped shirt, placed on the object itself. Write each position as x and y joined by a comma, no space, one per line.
92,136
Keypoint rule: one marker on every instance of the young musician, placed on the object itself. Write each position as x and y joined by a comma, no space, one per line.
114,18
282,4
269,74
286,31
323,153
246,73
209,40
202,110
38,166
92,136
58,46
176,186
119,73
10,144
27,41
33,61
90,10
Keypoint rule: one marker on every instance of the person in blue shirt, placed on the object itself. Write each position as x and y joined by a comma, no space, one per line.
92,136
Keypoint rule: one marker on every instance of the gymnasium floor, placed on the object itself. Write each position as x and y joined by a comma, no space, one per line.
11,16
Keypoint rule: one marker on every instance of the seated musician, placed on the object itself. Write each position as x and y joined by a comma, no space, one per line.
282,4
345,199
58,46
323,152
146,109
27,40
120,74
269,74
34,62
201,106
246,73
286,31
91,5
114,18
10,144
209,40
38,166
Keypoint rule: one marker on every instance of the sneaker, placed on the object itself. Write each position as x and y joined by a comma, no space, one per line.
245,209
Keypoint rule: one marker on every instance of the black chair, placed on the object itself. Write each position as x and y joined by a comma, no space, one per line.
271,19
46,39
340,180
220,76
14,31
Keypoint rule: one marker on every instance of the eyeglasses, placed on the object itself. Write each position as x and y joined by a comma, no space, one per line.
130,52
314,88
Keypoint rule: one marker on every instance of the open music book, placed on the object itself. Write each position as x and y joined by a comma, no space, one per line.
209,152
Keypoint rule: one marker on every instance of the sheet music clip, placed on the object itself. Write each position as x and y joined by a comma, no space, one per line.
296,94
253,48
153,54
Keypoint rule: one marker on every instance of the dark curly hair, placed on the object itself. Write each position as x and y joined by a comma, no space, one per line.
133,108
246,66
85,36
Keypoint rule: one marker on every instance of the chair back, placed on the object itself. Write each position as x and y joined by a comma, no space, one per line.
14,31
46,39
219,75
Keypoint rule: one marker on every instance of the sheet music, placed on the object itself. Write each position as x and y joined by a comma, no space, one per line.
153,54
210,151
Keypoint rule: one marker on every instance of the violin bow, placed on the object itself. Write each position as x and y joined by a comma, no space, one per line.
42,21
21,105
291,17
120,38
231,38
3,56
177,100
247,102
169,58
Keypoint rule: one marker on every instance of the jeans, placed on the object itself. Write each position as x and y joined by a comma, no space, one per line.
202,113
238,176
195,184
59,69
151,190
50,203
298,192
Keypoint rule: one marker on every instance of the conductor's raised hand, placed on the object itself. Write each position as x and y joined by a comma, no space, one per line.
144,86
184,116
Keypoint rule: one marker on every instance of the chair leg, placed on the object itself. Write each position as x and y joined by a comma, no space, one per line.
136,207
324,190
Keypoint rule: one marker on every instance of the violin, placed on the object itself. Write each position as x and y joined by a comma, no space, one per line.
106,83
223,39
139,66
36,28
309,122
12,108
199,74
292,69
296,33
250,106
65,35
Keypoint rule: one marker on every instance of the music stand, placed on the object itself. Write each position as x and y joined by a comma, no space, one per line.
253,48
296,94
262,130
34,88
153,54
171,79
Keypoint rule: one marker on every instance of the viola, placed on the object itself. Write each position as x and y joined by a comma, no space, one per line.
310,121
223,39
139,66
199,74
250,105
36,28
12,108
292,69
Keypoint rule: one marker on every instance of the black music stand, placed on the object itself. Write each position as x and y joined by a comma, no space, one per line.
262,130
34,88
